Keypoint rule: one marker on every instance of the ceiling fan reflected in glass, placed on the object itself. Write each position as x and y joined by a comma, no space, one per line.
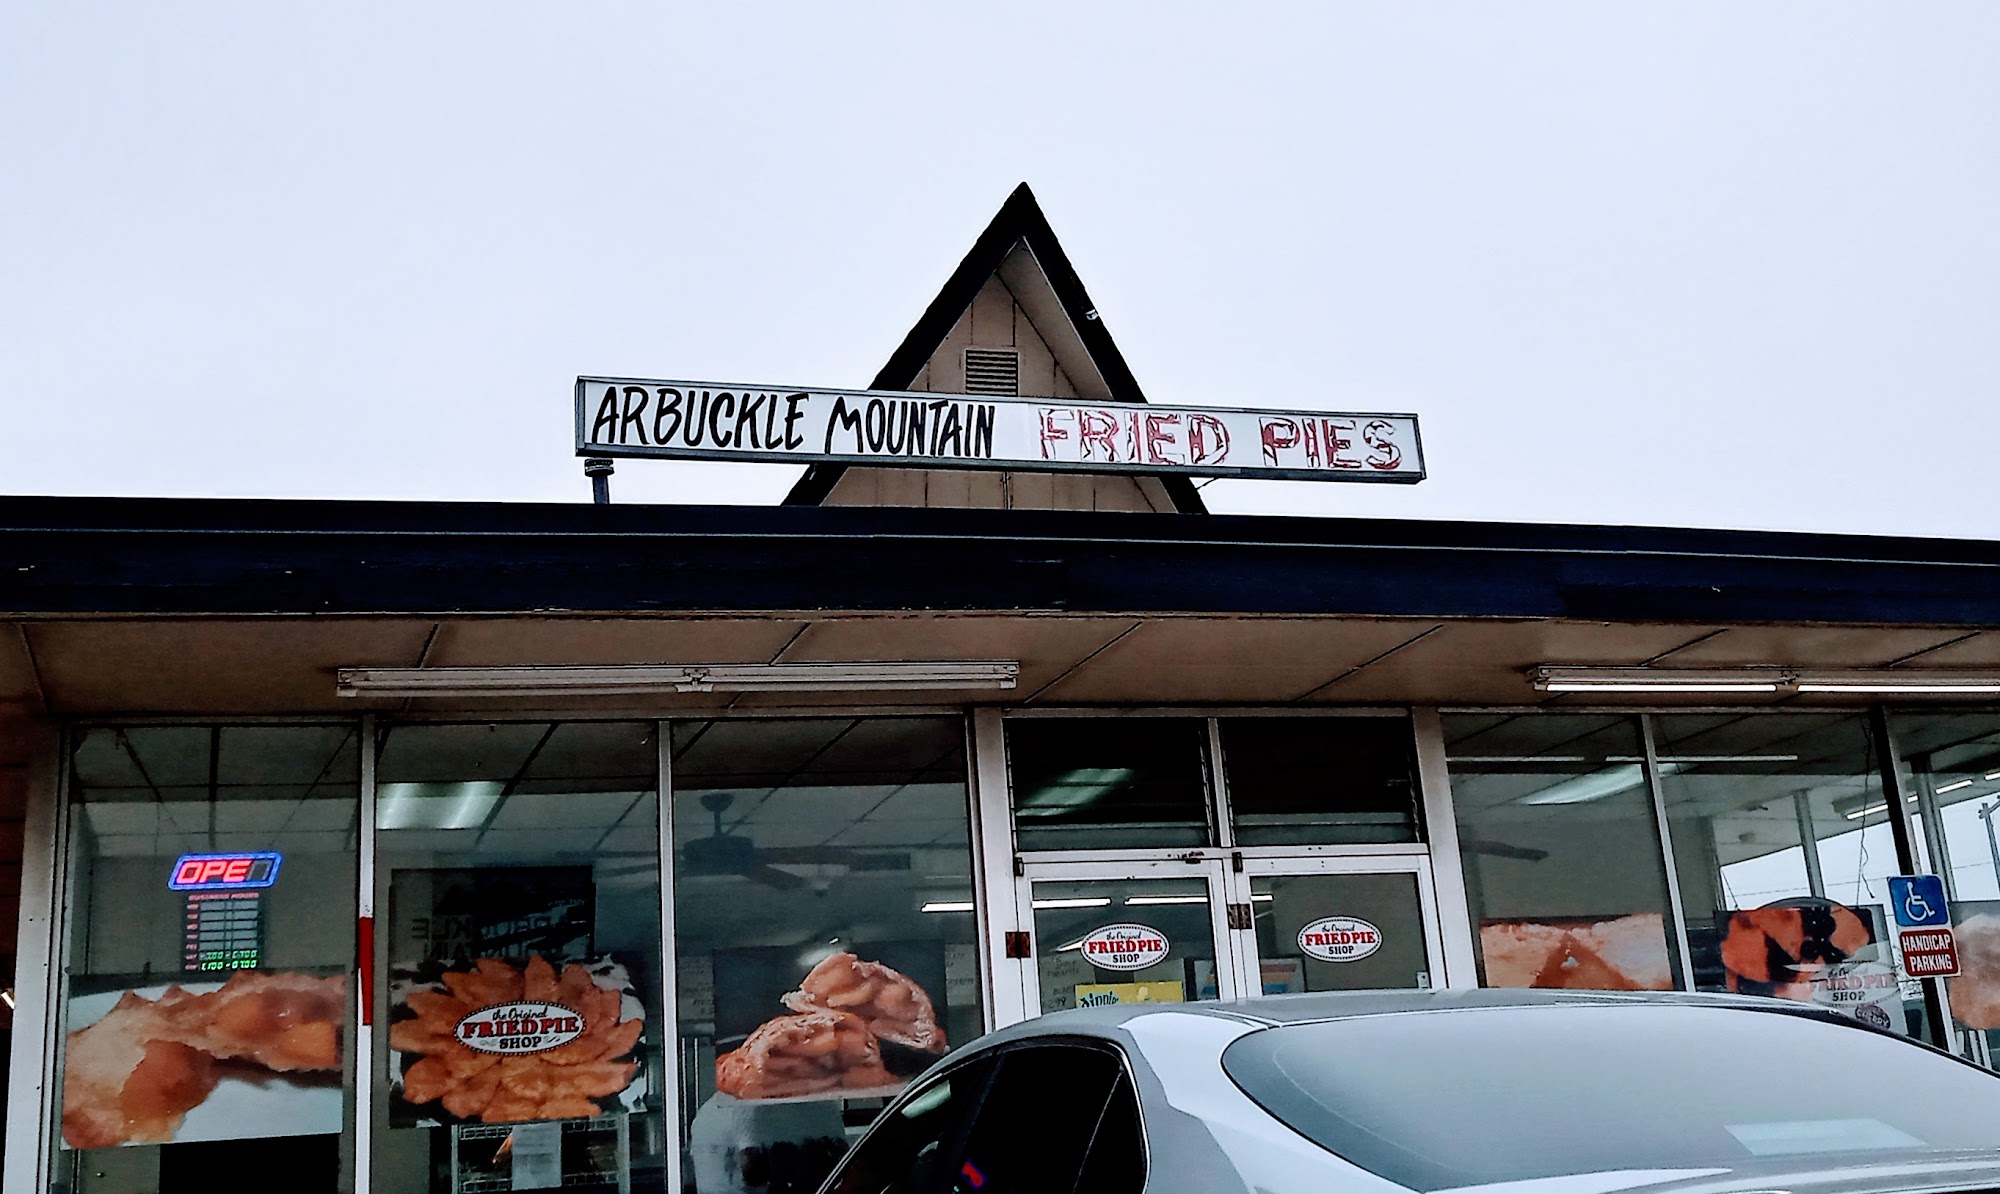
725,853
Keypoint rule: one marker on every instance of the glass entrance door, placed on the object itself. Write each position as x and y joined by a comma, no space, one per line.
1327,925
1128,933
1224,928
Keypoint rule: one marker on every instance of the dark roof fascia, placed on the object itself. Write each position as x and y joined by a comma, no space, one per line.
1019,219
93,556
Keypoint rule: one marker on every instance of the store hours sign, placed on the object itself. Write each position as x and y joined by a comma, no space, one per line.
715,421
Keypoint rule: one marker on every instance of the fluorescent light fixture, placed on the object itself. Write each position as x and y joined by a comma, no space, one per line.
1263,899
1076,902
1135,901
1640,679
7,997
1905,687
436,805
1869,810
1993,775
1517,759
641,679
1074,789
1700,760
1906,681
1953,787
1556,678
1659,686
947,906
1594,786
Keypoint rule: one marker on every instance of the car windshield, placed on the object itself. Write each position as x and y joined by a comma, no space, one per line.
1466,1097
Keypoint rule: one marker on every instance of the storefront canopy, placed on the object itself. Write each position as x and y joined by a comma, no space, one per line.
114,600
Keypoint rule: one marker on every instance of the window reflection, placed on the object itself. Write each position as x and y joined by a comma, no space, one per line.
1306,780
824,933
1561,850
1782,845
1954,761
209,945
1108,782
518,917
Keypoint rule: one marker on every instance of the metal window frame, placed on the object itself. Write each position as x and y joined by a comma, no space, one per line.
1656,790
670,1010
1455,929
37,996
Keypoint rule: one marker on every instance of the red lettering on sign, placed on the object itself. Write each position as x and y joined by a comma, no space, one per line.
189,872
1336,443
1200,430
1386,454
1278,434
1094,429
1159,435
237,871
1050,432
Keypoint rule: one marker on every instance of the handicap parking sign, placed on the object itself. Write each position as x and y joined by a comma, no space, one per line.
1918,901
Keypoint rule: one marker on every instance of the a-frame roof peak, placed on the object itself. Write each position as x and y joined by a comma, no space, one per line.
1019,226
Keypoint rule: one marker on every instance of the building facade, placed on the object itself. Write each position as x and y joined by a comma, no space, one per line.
398,846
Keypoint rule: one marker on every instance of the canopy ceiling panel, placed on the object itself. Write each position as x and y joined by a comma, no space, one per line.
1809,646
247,666
1471,663
503,642
1225,660
1045,646
1976,650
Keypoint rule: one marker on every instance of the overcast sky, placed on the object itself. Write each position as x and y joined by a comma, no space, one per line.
1715,265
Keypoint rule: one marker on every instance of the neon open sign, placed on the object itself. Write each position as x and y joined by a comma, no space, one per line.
219,872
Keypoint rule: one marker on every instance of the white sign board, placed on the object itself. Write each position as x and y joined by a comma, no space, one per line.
712,421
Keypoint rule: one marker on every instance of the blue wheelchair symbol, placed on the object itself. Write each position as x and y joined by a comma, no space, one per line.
1918,901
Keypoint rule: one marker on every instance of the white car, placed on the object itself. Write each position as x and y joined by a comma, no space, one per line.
1503,1092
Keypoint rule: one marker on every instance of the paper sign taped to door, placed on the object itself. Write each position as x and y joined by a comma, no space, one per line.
1107,994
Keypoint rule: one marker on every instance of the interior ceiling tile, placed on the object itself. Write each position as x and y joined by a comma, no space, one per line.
1809,646
252,666
510,642
1479,663
1225,660
1044,646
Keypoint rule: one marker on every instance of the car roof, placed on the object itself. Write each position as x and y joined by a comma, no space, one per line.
1275,1010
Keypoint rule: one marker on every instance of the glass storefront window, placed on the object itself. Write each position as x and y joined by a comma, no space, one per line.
518,914
1108,782
1782,846
824,933
208,956
1561,850
1311,780
1954,761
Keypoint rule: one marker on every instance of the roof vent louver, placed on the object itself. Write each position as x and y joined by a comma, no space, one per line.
993,371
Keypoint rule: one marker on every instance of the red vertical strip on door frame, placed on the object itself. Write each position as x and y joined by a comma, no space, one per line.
364,938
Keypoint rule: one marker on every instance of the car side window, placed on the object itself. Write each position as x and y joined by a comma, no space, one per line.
1034,1131
912,1148
1117,1160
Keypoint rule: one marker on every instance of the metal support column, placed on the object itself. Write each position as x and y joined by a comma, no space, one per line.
1682,949
1937,1009
1461,967
1809,843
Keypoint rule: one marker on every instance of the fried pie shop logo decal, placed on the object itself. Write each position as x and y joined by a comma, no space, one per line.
1340,939
1124,947
517,1029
